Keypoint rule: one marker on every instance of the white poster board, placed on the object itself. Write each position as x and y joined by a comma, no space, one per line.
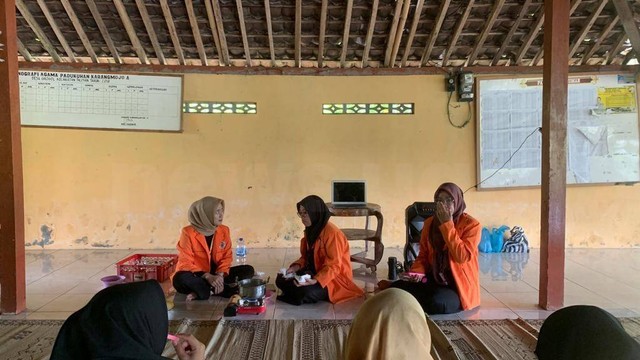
101,101
602,131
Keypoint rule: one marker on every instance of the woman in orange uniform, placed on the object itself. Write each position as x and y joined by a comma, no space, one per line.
205,254
324,255
448,257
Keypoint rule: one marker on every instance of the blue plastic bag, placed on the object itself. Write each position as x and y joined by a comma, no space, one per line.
497,238
485,241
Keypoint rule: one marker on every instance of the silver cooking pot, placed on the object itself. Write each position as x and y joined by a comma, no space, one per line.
252,288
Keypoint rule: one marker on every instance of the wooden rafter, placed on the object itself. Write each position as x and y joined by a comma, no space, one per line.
628,22
168,18
131,31
392,31
46,43
24,51
345,33
454,38
104,31
323,29
298,32
442,13
224,50
630,55
615,49
195,30
585,29
497,6
537,59
142,8
214,31
588,54
267,12
372,25
80,30
56,30
529,38
512,30
399,32
412,32
243,31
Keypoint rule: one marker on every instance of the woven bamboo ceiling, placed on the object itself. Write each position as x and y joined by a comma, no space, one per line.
317,33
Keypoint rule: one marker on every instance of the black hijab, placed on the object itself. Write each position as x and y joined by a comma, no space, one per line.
585,332
127,321
319,215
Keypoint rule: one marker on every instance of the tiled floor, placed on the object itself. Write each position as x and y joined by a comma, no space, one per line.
61,281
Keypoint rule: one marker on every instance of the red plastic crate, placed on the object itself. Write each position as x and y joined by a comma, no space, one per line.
140,267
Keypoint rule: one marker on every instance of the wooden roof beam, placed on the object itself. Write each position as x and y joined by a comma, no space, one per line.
195,30
485,32
214,30
392,31
131,31
399,32
267,11
142,8
512,30
168,18
588,54
585,29
80,30
104,31
243,32
628,22
56,30
529,38
372,25
345,33
616,48
298,32
323,29
24,51
454,39
35,27
442,13
221,36
412,32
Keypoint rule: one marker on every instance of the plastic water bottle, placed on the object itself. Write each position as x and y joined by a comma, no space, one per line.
241,251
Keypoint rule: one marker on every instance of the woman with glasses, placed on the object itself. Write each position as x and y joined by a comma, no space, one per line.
448,257
324,257
205,254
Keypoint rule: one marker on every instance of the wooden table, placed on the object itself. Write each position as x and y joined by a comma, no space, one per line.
365,234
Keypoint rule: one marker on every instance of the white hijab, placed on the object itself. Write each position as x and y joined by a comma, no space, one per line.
390,325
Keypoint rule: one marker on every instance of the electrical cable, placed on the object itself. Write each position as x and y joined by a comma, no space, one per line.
506,162
449,113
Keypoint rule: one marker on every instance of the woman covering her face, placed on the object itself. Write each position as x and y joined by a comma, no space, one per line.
448,257
205,254
390,325
324,256
127,321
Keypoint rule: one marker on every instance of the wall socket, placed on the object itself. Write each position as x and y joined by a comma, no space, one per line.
450,83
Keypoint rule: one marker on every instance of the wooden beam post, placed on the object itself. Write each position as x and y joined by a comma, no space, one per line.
323,28
12,263
554,153
412,32
442,13
345,33
628,22
104,31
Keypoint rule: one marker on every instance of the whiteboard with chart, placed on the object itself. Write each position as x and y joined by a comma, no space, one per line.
602,131
101,101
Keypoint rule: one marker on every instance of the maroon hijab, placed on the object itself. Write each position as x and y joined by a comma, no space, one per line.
440,267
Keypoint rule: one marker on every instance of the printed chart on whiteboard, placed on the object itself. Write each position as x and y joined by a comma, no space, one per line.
104,101
602,131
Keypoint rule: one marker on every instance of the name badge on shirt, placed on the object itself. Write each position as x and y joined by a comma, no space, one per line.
222,245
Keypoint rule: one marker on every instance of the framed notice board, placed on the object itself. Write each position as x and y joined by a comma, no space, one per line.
602,131
101,101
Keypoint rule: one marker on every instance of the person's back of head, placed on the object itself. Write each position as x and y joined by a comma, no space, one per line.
390,325
585,332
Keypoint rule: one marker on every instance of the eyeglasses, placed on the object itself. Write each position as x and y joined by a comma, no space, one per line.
302,214
447,201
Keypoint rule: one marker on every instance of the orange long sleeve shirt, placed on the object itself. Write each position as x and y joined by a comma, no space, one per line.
194,255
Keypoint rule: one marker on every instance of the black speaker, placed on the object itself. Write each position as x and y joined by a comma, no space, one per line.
414,216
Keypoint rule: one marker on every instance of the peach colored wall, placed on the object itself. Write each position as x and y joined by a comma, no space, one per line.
94,189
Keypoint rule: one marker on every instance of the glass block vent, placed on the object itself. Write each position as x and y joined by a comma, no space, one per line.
204,107
368,109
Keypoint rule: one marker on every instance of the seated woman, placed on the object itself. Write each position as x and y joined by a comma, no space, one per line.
205,254
448,257
585,332
390,325
127,321
324,255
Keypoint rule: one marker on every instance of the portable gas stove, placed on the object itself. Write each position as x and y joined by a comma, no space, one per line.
252,306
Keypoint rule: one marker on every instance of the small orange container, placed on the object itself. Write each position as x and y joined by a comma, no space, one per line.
140,267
